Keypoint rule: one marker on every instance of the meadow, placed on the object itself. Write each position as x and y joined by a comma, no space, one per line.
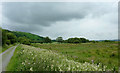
105,53
65,57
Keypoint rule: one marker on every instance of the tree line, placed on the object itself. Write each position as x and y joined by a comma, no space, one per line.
8,37
72,40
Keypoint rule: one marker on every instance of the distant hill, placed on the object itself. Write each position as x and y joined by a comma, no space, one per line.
32,37
110,40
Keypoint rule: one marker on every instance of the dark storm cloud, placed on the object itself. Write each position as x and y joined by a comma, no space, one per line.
42,13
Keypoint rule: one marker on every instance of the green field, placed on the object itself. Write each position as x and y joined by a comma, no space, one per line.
65,57
105,53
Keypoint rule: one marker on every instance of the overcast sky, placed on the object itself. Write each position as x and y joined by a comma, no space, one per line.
92,20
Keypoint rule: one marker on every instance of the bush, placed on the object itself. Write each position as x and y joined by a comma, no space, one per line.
24,40
47,40
8,42
12,38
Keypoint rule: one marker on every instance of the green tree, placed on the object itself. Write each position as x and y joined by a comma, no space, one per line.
83,40
12,38
76,40
59,39
24,40
4,37
8,42
47,40
70,40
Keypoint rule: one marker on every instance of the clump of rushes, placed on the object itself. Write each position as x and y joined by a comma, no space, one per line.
36,59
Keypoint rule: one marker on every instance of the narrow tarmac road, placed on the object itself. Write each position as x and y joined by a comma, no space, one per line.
5,58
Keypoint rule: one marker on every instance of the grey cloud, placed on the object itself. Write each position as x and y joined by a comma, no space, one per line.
41,13
38,17
46,13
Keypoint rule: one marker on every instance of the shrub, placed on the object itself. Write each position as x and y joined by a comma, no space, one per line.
8,42
47,40
12,38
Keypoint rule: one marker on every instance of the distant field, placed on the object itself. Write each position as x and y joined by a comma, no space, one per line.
105,53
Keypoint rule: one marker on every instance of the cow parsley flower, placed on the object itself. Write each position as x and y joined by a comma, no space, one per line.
31,69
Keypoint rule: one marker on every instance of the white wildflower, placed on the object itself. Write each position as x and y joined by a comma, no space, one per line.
23,63
31,69
77,65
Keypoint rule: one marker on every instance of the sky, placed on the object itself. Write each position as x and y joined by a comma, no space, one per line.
91,20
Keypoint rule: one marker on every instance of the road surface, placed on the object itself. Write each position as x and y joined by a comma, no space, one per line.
5,58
